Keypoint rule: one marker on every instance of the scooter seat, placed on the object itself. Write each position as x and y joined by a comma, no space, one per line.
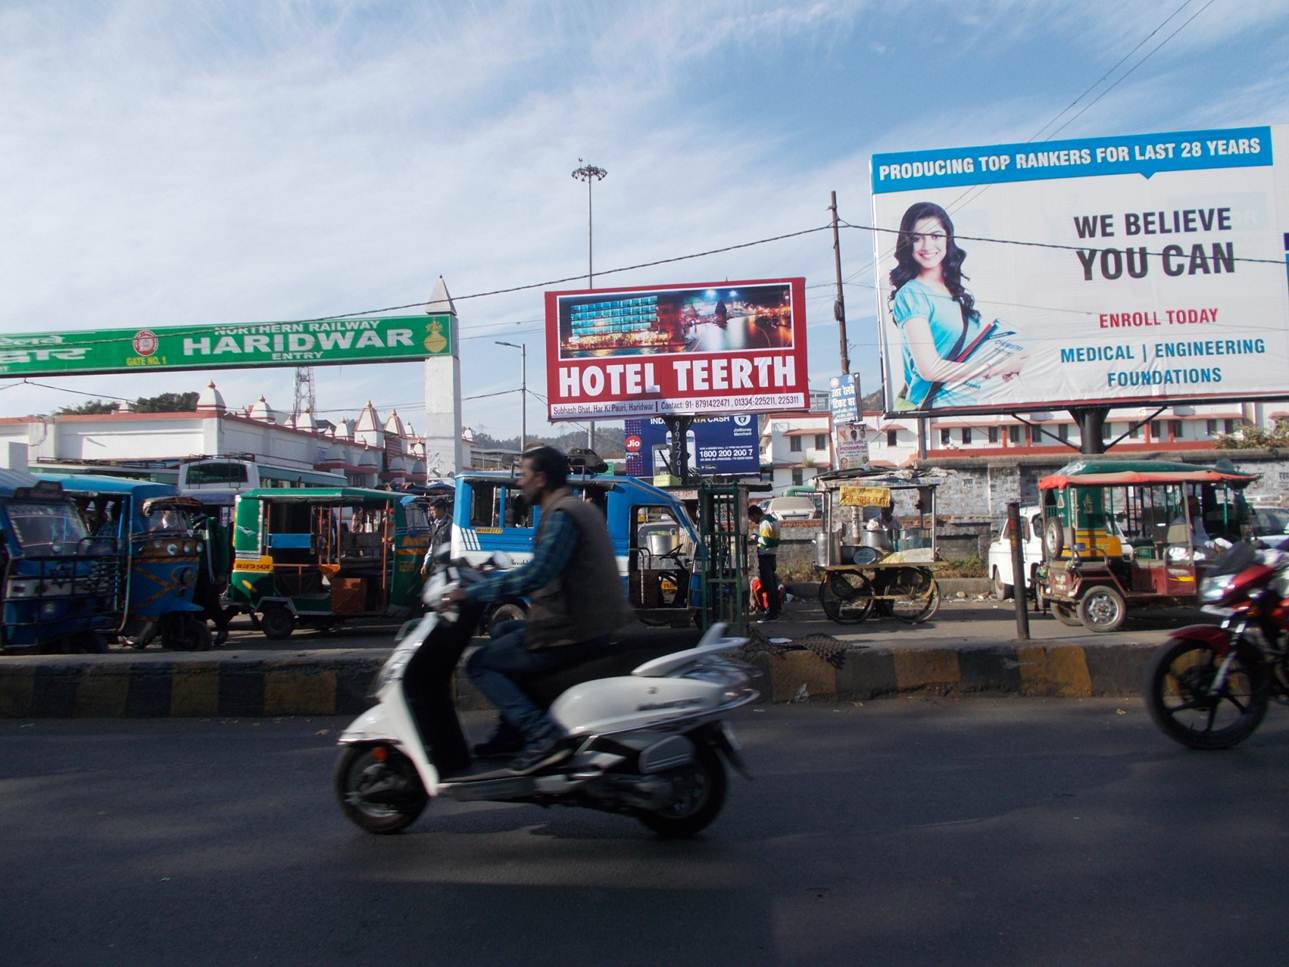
623,655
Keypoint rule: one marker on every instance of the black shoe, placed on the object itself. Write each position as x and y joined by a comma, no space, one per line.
504,741
539,754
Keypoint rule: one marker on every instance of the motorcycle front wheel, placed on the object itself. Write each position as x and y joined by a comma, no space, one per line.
1182,702
699,793
378,796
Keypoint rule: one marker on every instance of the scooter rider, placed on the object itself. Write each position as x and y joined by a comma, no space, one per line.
575,602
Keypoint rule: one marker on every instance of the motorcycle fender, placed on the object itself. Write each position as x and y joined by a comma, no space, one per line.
1216,638
372,726
726,742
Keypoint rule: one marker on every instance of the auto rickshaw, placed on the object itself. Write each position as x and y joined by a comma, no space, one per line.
867,567
161,556
58,583
1129,533
324,555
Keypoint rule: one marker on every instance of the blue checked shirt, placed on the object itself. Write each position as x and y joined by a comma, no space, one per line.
558,540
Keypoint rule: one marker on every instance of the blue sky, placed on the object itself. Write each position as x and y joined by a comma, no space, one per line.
189,162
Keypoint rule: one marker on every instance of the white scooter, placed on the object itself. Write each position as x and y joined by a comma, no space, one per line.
645,724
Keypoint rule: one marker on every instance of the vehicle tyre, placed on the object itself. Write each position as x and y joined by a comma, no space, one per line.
1040,596
359,774
1065,615
1178,683
846,596
184,632
1102,609
1053,538
506,611
700,789
276,622
1001,591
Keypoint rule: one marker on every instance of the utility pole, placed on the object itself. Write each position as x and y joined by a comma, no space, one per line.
523,391
839,304
589,173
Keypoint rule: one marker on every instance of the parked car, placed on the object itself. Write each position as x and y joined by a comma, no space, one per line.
1000,553
1271,526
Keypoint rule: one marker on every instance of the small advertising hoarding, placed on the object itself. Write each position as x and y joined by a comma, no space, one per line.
1125,270
227,346
692,349
849,437
717,445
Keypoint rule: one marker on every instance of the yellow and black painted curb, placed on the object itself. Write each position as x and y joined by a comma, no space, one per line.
86,688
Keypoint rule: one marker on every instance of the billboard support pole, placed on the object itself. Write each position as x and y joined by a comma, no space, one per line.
839,304
1091,421
678,427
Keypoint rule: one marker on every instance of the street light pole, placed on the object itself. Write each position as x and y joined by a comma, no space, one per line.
523,391
589,173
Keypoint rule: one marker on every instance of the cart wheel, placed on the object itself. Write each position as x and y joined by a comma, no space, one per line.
917,595
846,596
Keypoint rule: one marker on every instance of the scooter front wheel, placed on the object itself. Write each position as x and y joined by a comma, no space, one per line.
699,793
378,788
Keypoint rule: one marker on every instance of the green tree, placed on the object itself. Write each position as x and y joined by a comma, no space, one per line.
1257,438
91,407
167,403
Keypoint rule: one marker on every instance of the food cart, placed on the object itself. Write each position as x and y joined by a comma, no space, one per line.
867,567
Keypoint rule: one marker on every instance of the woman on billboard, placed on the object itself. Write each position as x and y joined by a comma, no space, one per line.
947,352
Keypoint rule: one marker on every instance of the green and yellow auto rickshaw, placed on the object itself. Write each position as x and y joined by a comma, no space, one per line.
320,556
1126,533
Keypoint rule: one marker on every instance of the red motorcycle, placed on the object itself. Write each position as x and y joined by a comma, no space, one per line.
1208,687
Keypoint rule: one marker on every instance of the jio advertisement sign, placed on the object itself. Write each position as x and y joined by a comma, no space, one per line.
1129,269
699,348
716,444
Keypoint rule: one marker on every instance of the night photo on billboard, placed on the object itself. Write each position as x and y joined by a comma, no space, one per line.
676,321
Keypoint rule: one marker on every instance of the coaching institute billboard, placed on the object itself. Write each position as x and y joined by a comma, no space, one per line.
1113,270
716,444
231,346
700,348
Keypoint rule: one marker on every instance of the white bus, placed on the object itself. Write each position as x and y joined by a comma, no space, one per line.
237,474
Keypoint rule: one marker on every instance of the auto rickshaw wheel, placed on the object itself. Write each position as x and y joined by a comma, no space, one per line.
1102,609
1065,615
184,632
507,611
276,622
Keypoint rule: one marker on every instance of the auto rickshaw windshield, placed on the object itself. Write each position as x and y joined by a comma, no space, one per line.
168,519
46,529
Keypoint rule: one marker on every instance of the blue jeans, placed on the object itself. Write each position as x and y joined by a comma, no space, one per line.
499,668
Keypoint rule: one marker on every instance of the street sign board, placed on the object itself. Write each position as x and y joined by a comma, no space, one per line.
323,342
843,398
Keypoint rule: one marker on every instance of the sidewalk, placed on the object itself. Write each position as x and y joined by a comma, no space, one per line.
966,649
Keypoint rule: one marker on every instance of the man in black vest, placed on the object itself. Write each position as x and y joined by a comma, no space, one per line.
576,601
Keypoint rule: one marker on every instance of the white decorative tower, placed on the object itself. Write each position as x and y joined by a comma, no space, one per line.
443,456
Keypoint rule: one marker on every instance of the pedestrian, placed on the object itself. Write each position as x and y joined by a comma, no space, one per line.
767,550
440,535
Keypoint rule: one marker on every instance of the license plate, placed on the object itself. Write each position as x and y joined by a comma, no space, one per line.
727,730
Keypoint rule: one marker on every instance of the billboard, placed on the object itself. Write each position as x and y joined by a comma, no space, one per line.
1118,270
698,348
716,444
233,346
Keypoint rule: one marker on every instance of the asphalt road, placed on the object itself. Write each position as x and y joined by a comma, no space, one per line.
958,623
897,832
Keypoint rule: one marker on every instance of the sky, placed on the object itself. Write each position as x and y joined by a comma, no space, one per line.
187,162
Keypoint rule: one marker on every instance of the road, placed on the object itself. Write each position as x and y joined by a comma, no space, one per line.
893,832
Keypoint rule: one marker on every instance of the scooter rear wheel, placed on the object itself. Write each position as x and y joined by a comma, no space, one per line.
359,774
700,790
1182,702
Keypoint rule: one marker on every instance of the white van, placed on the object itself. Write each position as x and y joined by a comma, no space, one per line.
1000,553
793,508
